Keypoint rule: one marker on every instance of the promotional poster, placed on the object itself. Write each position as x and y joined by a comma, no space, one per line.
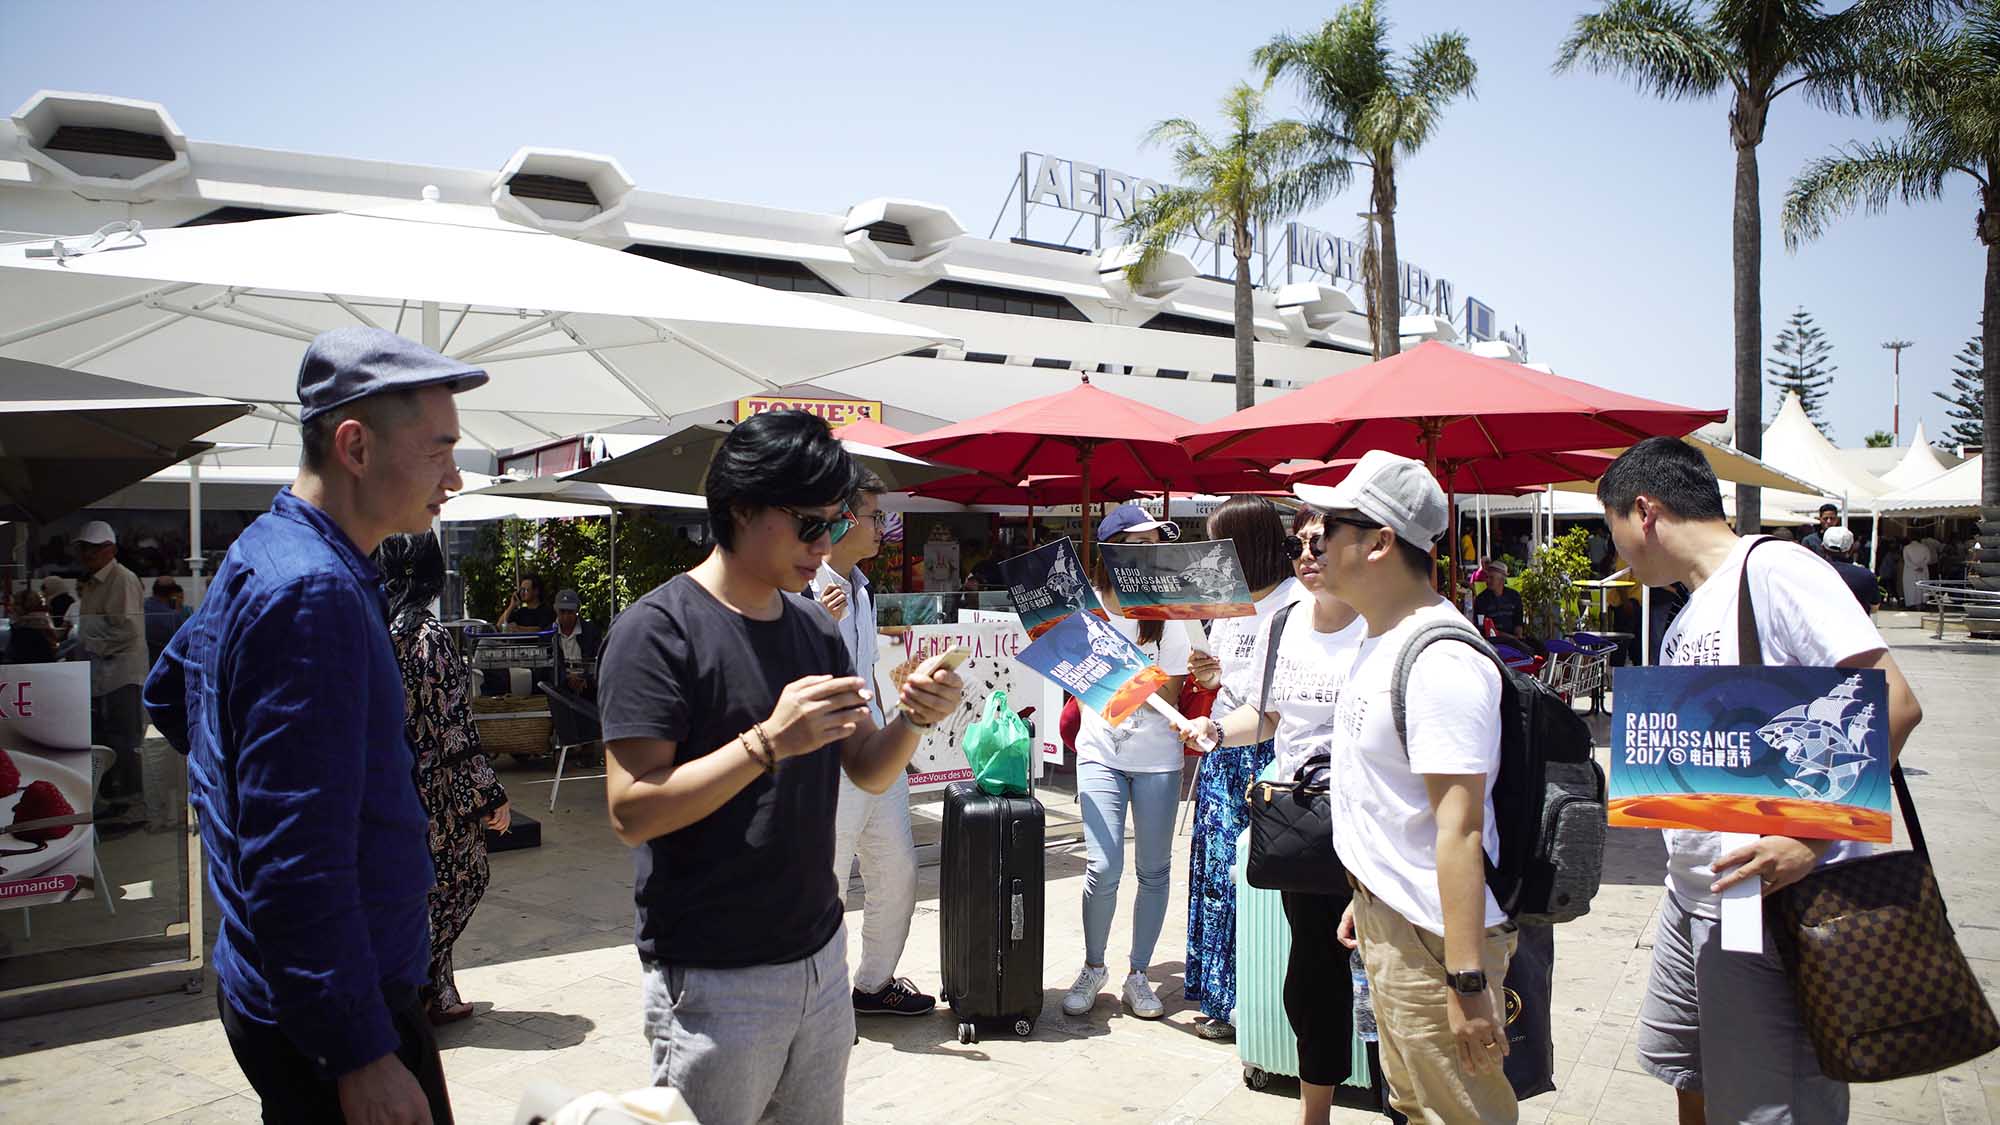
1178,581
1047,584
1089,659
1769,751
47,848
939,759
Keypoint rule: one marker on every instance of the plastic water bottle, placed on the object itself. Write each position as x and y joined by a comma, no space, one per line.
1364,1004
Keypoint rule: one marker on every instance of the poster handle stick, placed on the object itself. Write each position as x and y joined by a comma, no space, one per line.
1194,794
1173,715
1197,635
1742,906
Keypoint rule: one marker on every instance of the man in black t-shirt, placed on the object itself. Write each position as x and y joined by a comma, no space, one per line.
1838,544
730,709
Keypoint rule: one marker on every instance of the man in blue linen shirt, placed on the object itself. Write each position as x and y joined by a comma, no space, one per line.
283,691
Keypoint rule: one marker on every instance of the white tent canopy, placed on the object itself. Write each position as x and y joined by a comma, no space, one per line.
1795,446
1919,464
1954,492
576,336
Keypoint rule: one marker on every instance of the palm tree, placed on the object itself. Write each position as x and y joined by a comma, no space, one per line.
1374,109
1257,174
1759,50
1946,85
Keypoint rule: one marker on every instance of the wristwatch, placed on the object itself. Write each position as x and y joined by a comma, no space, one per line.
1467,984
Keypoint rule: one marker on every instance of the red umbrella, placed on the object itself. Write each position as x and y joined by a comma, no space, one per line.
876,434
978,489
1049,491
1492,476
1437,403
1085,431
1445,406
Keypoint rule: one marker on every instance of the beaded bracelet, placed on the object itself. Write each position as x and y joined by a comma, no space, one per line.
768,759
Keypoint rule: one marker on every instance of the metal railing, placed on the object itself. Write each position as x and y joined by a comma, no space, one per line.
1953,595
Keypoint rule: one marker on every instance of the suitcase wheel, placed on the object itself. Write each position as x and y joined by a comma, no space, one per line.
1255,1077
1024,1028
968,1033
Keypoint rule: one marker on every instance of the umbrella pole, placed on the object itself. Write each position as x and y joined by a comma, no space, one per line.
194,517
1451,498
1031,522
1874,539
614,561
1083,461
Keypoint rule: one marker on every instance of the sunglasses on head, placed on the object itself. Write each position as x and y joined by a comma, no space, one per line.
811,527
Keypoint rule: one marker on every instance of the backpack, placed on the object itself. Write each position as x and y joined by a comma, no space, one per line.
1549,799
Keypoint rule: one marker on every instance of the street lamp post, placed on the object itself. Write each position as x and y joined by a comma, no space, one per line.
1896,389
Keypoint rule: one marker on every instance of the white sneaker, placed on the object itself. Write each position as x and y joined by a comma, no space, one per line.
1140,998
1083,994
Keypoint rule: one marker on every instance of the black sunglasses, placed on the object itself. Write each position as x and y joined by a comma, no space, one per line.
1296,546
812,527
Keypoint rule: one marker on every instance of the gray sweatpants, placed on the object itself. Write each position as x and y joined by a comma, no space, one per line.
749,1045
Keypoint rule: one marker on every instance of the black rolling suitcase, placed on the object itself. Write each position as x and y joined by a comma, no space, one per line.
990,899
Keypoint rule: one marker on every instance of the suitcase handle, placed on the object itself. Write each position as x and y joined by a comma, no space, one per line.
1018,912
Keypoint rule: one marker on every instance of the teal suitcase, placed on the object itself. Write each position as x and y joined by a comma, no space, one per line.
1264,1039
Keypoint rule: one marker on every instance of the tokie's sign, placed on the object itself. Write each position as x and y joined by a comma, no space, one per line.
836,411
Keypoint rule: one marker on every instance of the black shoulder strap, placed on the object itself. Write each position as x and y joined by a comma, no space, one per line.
1271,642
1749,649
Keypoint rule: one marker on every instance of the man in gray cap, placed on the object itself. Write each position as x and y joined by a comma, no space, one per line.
577,641
1413,817
283,691
112,625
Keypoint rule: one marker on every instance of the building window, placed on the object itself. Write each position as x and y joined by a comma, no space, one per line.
1173,322
995,299
771,273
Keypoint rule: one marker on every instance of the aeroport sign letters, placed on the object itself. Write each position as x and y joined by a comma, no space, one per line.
1100,192
836,411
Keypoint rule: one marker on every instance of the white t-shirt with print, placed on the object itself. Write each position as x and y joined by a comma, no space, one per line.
1383,825
1232,639
1305,684
1806,617
1146,742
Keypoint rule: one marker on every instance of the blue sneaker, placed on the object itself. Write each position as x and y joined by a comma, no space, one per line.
897,998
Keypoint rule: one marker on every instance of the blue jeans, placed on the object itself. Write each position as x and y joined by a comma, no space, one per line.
1104,793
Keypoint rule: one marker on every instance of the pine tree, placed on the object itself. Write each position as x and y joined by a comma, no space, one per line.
1967,397
1799,364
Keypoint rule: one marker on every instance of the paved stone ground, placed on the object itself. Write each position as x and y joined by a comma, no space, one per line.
548,958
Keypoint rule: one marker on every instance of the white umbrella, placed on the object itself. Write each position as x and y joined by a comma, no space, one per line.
577,336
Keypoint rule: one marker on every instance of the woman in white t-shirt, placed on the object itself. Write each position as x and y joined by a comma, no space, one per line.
1320,638
1220,815
1136,766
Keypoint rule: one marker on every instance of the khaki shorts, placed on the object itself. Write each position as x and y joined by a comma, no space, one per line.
1419,1052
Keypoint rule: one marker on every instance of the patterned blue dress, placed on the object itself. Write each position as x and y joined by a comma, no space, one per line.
1220,817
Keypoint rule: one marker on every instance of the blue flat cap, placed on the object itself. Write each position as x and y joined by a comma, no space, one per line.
349,364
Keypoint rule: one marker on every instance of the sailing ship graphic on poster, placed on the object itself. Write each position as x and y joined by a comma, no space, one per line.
1823,740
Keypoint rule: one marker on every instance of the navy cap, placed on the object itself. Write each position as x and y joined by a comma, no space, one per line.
349,364
1126,517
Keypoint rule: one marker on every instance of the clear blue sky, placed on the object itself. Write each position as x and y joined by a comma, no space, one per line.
1595,218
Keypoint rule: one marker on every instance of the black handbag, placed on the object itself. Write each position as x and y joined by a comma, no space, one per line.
1291,822
1884,990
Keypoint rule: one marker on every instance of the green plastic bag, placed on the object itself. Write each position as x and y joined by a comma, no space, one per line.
998,746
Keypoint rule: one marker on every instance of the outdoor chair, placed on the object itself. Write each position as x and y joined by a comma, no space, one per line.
576,727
